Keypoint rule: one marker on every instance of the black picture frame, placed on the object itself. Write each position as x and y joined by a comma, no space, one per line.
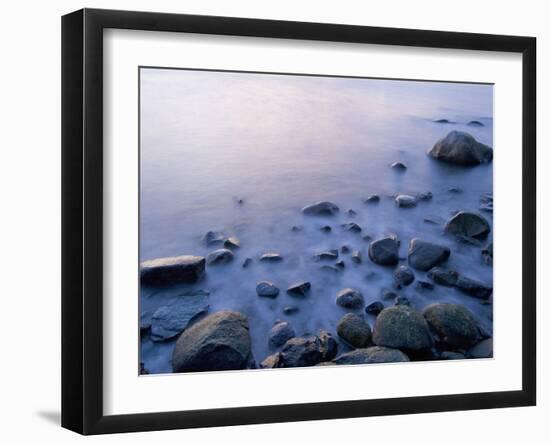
82,218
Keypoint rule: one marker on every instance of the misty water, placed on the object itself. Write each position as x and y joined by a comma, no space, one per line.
281,142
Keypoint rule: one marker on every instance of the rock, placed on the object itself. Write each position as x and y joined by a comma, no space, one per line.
267,289
403,276
280,333
352,213
297,228
403,328
455,190
172,270
247,262
213,237
475,123
399,166
487,254
401,300
350,298
388,295
220,341
331,254
219,256
461,148
469,225
424,285
291,310
300,352
299,289
357,257
405,201
484,349
326,229
444,277
424,255
425,196
271,257
372,276
352,227
443,121
473,288
374,198
232,243
321,208
170,320
345,249
374,354
455,325
354,330
449,355
375,308
340,264
270,362
329,346
384,251
329,268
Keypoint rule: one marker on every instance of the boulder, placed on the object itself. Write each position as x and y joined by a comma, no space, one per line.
354,330
403,328
301,351
405,201
271,257
462,149
329,346
375,308
424,255
321,208
267,289
468,225
444,277
350,298
219,342
454,325
473,288
340,264
384,251
403,276
172,270
374,354
483,349
219,257
280,333
299,289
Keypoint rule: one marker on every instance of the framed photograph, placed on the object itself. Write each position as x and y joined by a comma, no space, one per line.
268,221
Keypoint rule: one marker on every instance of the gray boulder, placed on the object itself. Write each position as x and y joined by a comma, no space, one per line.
444,277
299,289
321,208
267,289
403,276
350,298
354,330
280,333
468,225
403,328
473,288
483,349
461,148
424,255
301,351
172,270
405,201
220,341
374,354
384,251
219,257
454,325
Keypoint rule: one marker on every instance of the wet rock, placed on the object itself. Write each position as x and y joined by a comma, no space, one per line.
469,225
375,308
220,341
280,333
345,249
367,237
454,325
374,354
473,287
405,201
270,362
329,346
291,310
444,277
172,270
354,330
384,251
403,328
475,123
300,352
461,148
423,285
487,254
388,295
401,300
247,262
331,254
403,276
321,208
424,255
374,198
449,355
271,257
340,264
299,289
399,166
219,257
213,237
352,227
232,243
267,289
443,121
357,257
484,349
425,196
350,298
325,229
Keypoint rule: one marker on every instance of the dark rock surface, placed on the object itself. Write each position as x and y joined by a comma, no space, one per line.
172,270
280,333
374,198
374,354
350,298
354,330
299,289
461,148
232,243
444,277
271,257
469,225
384,251
424,255
483,349
321,208
405,201
267,289
331,254
475,123
375,308
454,325
352,227
357,257
403,276
213,237
219,257
473,288
300,352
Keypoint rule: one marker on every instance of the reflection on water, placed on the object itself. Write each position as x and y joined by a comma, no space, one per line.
280,142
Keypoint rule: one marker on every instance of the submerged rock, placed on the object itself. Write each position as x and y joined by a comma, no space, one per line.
475,123
375,308
247,262
299,289
213,237
484,349
384,251
405,201
444,277
172,270
321,208
351,213
232,243
443,121
219,256
403,328
350,298
220,341
331,254
423,285
399,166
461,148
168,321
326,229
455,325
473,287
271,257
280,333
403,276
340,264
291,310
469,225
374,354
357,257
267,289
352,227
401,300
354,330
345,249
374,198
424,255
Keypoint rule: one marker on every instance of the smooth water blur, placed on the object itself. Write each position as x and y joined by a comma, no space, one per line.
279,143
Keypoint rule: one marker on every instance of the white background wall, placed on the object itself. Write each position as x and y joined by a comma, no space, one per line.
30,217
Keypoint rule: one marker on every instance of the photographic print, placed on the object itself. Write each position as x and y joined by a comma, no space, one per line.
292,221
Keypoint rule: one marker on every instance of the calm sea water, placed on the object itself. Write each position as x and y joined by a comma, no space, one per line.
280,142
